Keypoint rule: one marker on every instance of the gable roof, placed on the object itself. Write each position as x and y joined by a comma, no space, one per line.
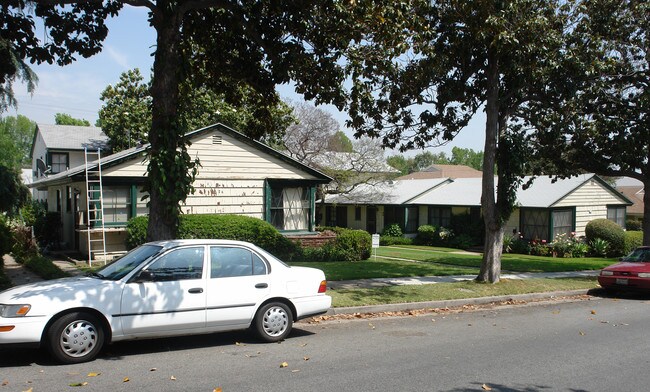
635,193
543,192
138,152
389,192
71,137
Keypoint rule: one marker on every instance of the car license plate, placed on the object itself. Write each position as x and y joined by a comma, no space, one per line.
621,281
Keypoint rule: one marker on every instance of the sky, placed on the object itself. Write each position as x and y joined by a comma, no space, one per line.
75,89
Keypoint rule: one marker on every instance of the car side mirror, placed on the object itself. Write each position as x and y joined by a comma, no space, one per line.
143,276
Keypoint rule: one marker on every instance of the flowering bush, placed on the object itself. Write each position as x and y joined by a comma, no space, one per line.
539,248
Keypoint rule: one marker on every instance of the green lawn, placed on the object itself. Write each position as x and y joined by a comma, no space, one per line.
348,270
460,290
509,262
443,262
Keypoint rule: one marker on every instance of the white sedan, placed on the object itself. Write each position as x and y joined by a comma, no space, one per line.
165,288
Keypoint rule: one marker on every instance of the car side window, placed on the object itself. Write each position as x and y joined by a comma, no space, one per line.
229,262
178,264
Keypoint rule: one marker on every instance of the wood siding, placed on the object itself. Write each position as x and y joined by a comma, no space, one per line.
590,201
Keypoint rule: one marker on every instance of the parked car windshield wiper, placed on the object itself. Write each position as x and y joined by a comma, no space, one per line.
95,275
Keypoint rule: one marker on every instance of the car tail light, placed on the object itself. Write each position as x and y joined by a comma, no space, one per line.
606,273
644,275
323,286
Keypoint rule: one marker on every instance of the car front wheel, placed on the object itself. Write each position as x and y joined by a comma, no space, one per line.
75,337
273,322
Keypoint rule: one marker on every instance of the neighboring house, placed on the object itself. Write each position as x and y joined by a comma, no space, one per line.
56,148
545,209
444,171
238,175
635,194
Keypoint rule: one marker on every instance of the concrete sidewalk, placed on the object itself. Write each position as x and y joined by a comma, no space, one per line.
18,274
420,280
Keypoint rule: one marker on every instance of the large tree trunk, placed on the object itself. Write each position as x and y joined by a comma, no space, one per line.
163,215
491,264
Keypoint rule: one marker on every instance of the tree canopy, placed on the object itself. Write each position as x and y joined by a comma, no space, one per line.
16,136
66,119
600,122
463,56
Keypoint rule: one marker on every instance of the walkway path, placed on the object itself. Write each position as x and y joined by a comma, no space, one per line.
419,280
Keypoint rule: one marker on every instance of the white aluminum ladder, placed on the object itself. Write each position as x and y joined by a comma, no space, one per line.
95,206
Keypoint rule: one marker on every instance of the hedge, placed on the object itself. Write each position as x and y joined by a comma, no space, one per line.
228,227
609,231
633,239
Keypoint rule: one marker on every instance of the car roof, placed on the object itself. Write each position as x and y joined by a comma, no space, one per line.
167,244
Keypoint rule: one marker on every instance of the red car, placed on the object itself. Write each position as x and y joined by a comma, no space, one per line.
633,272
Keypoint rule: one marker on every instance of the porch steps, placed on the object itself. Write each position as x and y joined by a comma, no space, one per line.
95,207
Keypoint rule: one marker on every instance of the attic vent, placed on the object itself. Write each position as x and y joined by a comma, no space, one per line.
217,139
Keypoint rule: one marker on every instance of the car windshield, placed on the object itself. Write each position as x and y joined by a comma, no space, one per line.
127,263
638,255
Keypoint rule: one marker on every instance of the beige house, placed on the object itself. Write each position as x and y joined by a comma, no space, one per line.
238,175
545,209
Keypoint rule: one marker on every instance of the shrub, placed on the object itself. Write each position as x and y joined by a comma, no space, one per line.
462,241
230,227
353,245
6,238
136,231
608,231
393,230
33,213
426,235
633,239
634,225
520,246
599,247
539,248
388,241
23,245
47,229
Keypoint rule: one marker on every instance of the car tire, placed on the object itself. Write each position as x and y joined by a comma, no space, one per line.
75,337
273,322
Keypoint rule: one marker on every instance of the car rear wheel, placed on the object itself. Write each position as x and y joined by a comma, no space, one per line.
273,322
75,337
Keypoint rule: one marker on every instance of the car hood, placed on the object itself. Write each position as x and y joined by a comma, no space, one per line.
629,267
49,296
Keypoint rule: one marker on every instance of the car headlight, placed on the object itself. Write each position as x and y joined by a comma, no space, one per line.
9,311
644,274
606,273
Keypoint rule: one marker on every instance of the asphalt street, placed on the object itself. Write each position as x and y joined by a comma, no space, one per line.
598,344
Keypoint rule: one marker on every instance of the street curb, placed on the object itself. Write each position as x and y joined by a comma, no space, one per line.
453,303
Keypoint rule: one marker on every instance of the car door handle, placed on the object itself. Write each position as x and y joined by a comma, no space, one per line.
196,290
261,285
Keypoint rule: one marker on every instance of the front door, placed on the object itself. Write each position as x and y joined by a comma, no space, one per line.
172,299
371,219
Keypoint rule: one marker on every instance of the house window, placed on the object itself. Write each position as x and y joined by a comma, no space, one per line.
440,216
58,162
616,214
290,208
411,220
117,205
394,215
562,222
357,214
534,224
337,216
